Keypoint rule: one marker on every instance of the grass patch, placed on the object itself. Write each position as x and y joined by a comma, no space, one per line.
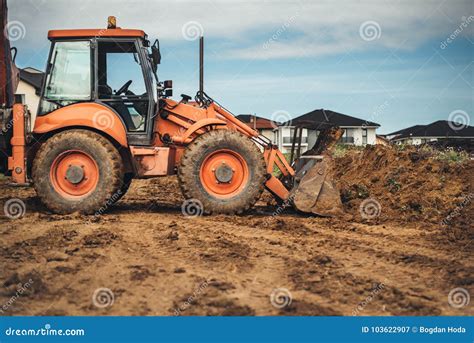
341,150
448,155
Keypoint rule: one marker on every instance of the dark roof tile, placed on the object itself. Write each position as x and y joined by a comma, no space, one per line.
323,118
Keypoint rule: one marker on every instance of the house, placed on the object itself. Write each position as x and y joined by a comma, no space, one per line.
264,126
30,83
382,140
356,131
441,131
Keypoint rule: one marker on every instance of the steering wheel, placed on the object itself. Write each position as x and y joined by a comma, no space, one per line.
124,88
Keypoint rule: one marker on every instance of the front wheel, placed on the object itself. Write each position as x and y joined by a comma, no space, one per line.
77,171
224,170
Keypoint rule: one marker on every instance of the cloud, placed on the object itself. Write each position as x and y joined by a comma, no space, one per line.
257,29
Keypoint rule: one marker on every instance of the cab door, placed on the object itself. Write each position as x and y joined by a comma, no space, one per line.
123,85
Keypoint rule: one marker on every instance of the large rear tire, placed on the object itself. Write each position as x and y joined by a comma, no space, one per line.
127,181
224,170
77,171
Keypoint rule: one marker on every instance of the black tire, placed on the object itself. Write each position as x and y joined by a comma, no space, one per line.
127,181
204,146
100,150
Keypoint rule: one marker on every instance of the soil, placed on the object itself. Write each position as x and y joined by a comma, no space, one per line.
156,261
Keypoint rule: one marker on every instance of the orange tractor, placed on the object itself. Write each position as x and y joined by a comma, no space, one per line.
104,119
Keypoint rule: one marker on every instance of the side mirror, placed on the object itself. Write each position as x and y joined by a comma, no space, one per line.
168,92
155,54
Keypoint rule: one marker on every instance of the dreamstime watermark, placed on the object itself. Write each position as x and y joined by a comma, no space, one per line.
458,120
8,125
280,117
103,120
19,292
44,331
192,30
191,299
457,211
14,208
458,297
14,30
370,208
282,29
363,304
280,298
464,24
281,208
103,297
378,111
112,200
370,30
192,208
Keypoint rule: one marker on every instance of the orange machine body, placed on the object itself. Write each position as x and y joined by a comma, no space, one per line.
86,115
174,127
17,162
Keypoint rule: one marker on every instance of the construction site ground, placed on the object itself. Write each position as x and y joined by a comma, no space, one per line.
404,259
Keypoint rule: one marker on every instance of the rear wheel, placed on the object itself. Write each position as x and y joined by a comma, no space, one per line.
224,170
127,181
77,171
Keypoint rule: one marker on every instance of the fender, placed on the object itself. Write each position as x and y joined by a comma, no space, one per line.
196,127
93,115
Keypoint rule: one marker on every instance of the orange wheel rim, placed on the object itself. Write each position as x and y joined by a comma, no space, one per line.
74,174
224,173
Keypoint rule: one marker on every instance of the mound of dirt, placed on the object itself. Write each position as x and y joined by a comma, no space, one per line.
388,184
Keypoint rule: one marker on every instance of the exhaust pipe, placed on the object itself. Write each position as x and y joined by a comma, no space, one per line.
201,64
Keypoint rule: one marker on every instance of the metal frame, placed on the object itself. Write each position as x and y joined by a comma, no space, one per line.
134,137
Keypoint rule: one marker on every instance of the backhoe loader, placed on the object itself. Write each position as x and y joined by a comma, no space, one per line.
104,118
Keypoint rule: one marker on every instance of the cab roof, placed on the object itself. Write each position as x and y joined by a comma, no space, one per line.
89,33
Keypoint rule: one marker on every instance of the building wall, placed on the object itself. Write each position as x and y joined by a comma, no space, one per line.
267,133
416,140
357,133
31,99
312,135
371,136
284,137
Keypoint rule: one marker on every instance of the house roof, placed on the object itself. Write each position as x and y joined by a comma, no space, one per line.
33,77
440,128
260,123
413,128
324,118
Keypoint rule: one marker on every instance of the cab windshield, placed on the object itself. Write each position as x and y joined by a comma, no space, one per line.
68,78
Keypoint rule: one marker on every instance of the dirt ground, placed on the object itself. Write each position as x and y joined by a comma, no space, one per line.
155,261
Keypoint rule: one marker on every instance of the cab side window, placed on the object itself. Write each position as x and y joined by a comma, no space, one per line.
121,83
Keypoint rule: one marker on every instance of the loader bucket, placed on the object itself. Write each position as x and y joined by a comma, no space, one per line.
314,190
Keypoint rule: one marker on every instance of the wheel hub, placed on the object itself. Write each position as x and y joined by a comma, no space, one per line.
74,174
224,173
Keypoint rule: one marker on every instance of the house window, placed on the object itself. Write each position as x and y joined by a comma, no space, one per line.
348,136
289,140
364,136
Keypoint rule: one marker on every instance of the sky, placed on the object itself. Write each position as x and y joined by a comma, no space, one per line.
396,63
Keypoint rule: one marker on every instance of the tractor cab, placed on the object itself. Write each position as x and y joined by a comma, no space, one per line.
113,67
